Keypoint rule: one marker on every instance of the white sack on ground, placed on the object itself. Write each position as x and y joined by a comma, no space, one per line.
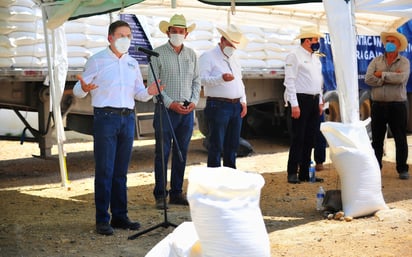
180,243
352,154
224,206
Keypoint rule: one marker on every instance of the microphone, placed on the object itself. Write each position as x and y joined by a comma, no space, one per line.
147,51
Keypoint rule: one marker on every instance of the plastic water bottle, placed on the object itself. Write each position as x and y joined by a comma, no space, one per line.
312,171
319,198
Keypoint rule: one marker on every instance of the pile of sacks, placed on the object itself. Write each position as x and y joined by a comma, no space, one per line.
22,37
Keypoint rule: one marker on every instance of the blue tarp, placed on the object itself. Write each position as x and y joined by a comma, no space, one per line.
368,47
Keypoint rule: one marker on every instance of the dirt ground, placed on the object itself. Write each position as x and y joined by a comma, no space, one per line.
38,217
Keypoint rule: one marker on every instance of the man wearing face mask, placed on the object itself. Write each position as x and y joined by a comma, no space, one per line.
388,75
303,82
177,67
114,81
221,77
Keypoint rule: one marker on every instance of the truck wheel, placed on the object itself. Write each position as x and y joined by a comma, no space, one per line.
202,123
245,148
333,112
365,109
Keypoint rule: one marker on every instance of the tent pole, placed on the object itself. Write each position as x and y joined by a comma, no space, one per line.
55,104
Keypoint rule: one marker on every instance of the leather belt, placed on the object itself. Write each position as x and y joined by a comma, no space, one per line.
222,99
308,96
119,111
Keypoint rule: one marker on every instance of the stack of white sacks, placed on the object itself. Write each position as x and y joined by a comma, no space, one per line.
22,38
267,48
85,37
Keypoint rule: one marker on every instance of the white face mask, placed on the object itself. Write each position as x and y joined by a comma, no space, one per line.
177,39
122,44
228,50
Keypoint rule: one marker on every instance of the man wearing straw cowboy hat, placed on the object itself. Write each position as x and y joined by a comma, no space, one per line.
221,78
388,75
303,82
177,67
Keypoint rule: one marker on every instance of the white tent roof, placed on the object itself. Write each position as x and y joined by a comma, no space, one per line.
371,15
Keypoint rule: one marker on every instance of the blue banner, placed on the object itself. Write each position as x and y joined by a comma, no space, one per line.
368,47
139,38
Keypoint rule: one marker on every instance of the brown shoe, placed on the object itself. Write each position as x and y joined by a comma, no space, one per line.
319,167
178,199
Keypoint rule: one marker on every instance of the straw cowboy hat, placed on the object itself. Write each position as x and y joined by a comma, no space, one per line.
402,39
309,32
177,20
234,36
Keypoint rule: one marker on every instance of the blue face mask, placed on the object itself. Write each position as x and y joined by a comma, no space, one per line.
390,47
315,46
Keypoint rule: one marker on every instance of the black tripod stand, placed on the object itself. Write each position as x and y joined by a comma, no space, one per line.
162,108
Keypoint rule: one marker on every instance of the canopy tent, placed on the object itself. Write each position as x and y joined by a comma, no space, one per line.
371,17
368,17
54,14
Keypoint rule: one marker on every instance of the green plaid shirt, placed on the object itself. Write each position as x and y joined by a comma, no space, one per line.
178,72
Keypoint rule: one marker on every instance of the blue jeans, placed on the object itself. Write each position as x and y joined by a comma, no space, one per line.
182,126
225,125
113,143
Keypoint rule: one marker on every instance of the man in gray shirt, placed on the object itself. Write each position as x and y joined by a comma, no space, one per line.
387,75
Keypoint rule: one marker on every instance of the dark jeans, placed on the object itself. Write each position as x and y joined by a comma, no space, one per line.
303,136
113,142
393,114
182,126
225,125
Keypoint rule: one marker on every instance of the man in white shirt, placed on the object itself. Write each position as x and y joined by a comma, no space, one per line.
114,80
303,82
221,78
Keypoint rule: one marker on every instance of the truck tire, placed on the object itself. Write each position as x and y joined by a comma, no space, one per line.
364,104
244,149
202,123
365,109
333,112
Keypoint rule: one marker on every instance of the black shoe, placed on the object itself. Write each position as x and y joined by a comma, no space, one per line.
293,179
160,202
125,223
318,180
104,228
404,175
178,199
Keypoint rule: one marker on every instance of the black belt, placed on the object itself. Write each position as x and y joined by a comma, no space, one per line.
308,96
119,111
222,99
388,103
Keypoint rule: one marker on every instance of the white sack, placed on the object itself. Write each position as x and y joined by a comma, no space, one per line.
224,206
179,243
353,156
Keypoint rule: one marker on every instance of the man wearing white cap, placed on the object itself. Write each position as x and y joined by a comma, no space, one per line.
176,67
388,75
303,82
221,78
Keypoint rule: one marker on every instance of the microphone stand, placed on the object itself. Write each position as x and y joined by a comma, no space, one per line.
162,108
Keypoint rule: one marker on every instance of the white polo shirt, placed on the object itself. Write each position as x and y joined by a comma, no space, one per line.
303,74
